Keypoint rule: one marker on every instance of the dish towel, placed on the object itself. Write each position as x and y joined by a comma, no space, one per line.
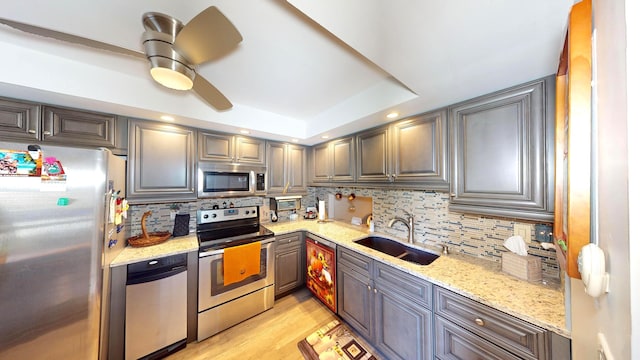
240,262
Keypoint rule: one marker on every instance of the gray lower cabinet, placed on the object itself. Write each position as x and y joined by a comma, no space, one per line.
230,148
389,308
161,164
466,329
290,263
287,164
503,152
414,150
334,161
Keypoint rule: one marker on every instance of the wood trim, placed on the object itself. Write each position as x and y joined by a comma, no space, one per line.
579,134
559,224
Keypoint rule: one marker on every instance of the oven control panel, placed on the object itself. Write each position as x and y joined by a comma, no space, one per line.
219,215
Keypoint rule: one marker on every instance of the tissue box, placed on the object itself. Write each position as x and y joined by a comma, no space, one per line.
524,267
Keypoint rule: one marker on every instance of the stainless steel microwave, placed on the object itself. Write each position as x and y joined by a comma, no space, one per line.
229,180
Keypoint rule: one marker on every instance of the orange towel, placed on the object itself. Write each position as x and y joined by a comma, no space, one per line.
241,262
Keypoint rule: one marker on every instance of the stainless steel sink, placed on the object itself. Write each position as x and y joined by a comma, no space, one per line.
398,250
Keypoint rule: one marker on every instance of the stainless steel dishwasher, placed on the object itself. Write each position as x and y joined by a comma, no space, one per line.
156,307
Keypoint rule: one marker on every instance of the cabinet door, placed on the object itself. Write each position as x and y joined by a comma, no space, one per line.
249,150
161,162
276,163
355,300
19,121
321,157
73,127
502,152
373,156
403,329
403,317
420,151
290,263
343,159
296,169
215,147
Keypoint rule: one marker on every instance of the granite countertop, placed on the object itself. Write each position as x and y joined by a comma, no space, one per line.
177,245
481,280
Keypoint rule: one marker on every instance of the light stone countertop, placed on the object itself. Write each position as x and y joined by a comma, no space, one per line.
477,279
173,246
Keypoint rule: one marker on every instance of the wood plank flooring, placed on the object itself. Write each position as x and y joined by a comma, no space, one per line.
273,334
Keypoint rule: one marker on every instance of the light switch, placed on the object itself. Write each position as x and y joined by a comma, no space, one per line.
523,230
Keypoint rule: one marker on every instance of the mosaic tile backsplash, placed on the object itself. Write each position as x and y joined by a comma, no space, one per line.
470,234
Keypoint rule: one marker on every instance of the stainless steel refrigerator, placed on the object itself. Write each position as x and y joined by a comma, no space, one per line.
57,239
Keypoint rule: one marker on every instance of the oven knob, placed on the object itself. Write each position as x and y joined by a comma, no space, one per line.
246,212
214,215
253,211
205,216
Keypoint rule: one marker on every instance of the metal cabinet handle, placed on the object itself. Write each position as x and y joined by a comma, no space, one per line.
479,321
46,132
369,287
32,131
375,291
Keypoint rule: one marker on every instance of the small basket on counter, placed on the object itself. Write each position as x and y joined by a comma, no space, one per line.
148,239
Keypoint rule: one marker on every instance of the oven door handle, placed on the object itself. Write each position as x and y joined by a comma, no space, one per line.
221,251
211,252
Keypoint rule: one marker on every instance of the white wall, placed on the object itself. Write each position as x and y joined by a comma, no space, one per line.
609,314
633,114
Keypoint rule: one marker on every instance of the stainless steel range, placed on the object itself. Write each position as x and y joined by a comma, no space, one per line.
222,304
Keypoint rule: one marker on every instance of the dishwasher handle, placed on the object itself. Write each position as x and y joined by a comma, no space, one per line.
153,276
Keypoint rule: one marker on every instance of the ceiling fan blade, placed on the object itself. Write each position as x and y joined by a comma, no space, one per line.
40,31
208,36
210,93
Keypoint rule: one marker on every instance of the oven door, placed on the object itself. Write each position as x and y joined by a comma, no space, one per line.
211,288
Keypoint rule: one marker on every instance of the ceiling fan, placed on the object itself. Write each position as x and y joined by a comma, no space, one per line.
172,48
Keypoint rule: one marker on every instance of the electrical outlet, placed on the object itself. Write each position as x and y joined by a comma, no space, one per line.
543,233
523,230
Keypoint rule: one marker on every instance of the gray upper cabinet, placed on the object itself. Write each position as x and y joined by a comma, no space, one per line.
286,164
334,161
24,121
161,162
19,121
69,126
502,153
374,156
420,150
230,148
411,151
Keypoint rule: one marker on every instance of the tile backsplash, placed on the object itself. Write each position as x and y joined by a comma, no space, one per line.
475,235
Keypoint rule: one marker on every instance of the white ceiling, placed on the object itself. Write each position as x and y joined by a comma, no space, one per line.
305,68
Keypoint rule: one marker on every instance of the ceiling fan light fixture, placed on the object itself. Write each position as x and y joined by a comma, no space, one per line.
171,73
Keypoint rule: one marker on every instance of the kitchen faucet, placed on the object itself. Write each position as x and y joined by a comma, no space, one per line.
408,223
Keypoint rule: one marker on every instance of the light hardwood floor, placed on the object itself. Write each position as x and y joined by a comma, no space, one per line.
273,334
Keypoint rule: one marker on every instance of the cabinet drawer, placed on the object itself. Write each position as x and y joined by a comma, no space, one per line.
515,335
288,240
406,285
354,260
454,342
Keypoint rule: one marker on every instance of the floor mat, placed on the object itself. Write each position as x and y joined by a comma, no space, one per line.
333,341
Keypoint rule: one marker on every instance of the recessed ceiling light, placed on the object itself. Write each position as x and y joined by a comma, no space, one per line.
167,118
325,136
392,115
244,132
294,140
